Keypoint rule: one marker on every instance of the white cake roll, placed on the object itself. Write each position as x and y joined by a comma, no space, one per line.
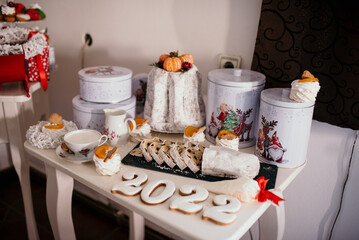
225,162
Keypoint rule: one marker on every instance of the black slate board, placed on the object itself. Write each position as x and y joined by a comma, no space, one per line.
267,170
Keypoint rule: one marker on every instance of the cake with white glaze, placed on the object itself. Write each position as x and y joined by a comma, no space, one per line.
225,162
173,99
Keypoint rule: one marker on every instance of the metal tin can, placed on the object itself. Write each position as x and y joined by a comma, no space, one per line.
90,115
284,128
105,84
233,103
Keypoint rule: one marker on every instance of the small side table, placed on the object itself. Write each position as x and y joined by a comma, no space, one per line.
17,112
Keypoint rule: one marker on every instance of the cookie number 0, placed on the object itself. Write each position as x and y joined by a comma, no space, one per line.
222,213
131,184
187,204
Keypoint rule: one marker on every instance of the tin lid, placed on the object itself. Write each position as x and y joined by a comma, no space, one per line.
90,107
105,74
280,98
236,77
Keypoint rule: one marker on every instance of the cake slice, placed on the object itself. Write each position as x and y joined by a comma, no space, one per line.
193,158
145,145
190,145
137,152
153,150
164,153
168,143
175,153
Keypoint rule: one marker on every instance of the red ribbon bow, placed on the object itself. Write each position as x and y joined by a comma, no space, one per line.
265,195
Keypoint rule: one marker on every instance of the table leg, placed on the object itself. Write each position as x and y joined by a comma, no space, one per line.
272,222
137,226
21,163
59,187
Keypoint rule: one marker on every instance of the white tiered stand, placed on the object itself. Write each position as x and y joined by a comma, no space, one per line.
61,174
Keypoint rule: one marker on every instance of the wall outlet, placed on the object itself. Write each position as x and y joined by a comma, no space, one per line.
229,61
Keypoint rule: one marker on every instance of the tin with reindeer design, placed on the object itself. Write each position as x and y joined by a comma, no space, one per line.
233,103
283,128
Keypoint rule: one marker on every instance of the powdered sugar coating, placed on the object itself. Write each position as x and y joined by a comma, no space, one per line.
173,100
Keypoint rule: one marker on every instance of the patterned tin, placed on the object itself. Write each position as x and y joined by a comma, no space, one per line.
284,129
105,84
233,103
91,115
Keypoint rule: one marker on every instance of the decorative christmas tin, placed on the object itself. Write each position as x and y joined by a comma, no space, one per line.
105,84
91,115
284,128
233,103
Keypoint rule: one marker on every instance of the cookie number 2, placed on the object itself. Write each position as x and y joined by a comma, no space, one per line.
131,184
222,212
192,195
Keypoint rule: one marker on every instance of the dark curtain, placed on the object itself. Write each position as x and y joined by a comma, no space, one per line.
319,36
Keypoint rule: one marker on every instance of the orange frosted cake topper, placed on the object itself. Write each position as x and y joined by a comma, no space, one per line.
308,77
190,131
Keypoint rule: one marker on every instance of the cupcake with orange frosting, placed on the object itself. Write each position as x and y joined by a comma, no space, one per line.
107,160
227,139
305,89
55,126
141,131
194,135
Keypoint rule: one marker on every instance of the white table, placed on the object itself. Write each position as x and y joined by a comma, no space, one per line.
16,113
61,173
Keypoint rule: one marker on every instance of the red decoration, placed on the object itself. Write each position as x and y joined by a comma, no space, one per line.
20,8
38,68
15,68
265,195
34,15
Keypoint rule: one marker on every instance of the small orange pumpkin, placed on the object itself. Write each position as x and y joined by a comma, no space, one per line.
163,57
186,58
172,64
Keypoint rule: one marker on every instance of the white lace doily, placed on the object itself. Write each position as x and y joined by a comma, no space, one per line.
43,140
13,39
13,35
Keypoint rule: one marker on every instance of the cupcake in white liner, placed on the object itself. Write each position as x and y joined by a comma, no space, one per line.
142,131
194,135
107,160
227,139
305,89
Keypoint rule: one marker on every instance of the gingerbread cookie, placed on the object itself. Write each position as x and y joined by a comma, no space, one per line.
111,153
192,195
131,184
66,148
147,191
223,211
55,119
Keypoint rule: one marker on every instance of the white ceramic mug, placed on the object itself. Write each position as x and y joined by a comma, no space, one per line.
83,141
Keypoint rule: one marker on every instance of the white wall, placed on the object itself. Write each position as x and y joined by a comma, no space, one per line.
134,33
